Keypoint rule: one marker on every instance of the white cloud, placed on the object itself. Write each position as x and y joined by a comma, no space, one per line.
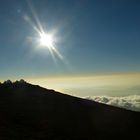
127,102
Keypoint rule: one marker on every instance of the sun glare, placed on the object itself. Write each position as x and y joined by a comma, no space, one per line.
46,40
43,38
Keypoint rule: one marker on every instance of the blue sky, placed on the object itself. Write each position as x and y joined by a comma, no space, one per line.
93,36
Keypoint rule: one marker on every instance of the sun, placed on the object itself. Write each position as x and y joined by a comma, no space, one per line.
46,40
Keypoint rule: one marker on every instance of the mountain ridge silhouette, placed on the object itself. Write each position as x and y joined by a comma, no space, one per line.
34,113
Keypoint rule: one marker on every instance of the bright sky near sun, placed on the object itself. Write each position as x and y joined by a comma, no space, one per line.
43,39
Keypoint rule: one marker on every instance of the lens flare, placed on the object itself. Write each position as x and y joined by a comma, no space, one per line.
44,39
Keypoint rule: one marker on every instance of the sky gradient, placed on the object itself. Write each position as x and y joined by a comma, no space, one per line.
95,37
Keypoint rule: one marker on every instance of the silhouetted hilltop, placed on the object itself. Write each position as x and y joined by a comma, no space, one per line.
31,112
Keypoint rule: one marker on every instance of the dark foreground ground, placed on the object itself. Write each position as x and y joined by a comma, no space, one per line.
29,112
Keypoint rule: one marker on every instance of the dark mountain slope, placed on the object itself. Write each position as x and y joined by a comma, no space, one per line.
33,113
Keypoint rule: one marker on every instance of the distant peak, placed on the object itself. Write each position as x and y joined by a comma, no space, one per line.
7,82
21,81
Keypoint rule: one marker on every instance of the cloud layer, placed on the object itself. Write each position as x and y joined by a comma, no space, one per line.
127,102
